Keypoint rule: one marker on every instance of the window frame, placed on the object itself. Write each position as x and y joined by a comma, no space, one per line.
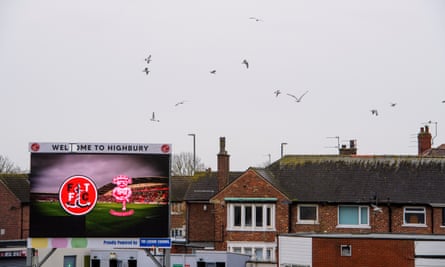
178,233
176,208
253,249
306,221
359,208
238,220
414,210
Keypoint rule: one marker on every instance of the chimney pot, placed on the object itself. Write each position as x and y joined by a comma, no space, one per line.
222,145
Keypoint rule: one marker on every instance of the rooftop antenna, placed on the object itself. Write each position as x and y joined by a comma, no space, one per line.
338,142
435,130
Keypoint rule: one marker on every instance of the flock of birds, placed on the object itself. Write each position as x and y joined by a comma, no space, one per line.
298,99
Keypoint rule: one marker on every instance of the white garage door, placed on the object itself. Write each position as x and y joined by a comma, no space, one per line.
429,253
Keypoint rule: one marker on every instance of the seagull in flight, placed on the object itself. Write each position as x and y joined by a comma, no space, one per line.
146,70
213,72
245,62
277,92
256,19
180,103
148,59
153,118
298,99
392,104
374,112
376,209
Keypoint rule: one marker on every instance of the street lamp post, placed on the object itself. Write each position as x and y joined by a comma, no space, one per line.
194,151
282,145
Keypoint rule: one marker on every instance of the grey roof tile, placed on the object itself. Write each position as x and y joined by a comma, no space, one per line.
18,184
358,179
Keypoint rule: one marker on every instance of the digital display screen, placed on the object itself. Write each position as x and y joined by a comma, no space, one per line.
99,190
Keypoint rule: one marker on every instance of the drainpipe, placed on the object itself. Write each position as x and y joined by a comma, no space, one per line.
389,215
432,220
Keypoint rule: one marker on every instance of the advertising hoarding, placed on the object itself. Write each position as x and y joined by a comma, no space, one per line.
99,190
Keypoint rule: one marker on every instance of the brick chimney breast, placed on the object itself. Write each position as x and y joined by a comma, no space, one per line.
223,164
424,139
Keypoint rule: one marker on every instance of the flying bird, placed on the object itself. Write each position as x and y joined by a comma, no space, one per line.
153,118
245,62
256,19
375,208
146,70
392,104
148,59
298,99
374,112
443,101
277,92
213,71
180,103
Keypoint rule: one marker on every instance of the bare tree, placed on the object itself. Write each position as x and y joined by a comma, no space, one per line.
7,166
182,164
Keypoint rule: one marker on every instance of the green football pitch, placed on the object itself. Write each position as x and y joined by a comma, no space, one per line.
99,222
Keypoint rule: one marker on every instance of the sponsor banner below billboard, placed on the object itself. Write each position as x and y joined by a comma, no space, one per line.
125,148
99,243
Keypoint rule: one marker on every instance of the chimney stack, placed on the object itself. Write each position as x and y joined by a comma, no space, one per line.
352,150
424,139
223,164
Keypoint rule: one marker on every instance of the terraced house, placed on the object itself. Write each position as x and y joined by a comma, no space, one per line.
327,203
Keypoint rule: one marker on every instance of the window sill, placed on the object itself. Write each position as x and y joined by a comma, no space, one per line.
354,226
415,225
252,229
308,222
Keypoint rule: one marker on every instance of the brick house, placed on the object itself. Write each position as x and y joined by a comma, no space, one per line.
14,206
324,194
178,214
199,211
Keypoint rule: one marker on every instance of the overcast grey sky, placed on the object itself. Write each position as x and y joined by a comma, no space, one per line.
72,71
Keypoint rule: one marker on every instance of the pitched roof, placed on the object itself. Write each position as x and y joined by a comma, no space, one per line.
435,152
179,186
358,179
18,184
204,185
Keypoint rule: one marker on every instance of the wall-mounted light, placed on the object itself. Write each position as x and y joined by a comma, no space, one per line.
204,207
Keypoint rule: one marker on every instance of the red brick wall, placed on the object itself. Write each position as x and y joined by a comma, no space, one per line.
365,252
178,219
249,185
379,222
437,219
201,225
14,218
398,227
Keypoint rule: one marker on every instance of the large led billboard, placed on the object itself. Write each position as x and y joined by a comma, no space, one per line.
99,190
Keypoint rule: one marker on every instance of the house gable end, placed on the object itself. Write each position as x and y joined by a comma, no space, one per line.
249,185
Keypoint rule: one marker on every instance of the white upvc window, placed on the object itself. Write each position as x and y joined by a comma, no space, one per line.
178,234
251,216
307,214
258,251
414,216
176,208
352,216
